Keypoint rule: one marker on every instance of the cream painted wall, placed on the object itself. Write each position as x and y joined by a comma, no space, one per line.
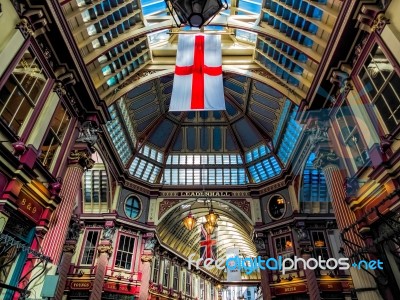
8,20
391,33
11,39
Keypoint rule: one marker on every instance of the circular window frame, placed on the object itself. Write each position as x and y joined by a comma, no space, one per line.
284,209
141,207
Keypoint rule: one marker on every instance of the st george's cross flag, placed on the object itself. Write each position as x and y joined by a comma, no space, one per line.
198,74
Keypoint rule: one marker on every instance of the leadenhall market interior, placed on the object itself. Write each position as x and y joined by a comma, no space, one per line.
290,193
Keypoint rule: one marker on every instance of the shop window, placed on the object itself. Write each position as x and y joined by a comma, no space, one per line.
8,256
95,185
124,256
90,247
167,268
381,83
20,93
351,136
132,207
175,281
156,269
320,247
188,283
276,207
284,246
202,290
55,135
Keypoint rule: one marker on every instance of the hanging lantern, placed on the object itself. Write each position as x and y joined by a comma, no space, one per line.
189,221
212,217
194,12
209,228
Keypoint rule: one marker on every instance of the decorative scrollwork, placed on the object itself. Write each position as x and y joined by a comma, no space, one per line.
325,158
88,133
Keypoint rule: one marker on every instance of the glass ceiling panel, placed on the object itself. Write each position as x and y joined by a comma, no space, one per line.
118,136
209,176
290,137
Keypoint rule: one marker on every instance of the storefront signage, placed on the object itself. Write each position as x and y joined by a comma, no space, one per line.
292,289
121,288
81,285
331,286
205,194
29,207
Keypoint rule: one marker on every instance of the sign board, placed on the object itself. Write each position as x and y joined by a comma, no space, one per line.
49,286
235,274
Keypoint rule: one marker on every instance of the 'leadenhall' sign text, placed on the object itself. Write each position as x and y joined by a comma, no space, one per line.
238,194
205,194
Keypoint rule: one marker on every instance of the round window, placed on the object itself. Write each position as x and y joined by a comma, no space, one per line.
132,207
276,207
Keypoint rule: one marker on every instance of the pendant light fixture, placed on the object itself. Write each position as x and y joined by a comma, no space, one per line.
189,221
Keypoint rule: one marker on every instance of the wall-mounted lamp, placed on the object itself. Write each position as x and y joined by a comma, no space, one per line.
80,274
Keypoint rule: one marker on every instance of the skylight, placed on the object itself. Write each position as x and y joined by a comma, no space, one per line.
290,137
118,136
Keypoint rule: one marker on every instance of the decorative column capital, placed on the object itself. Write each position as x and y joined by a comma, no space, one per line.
325,158
105,247
25,27
146,258
379,23
82,158
69,247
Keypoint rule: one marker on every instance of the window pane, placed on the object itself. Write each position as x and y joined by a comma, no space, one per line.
21,91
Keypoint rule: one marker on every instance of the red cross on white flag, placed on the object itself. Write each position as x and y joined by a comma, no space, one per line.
198,74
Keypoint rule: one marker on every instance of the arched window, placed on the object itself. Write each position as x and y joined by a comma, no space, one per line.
314,197
132,207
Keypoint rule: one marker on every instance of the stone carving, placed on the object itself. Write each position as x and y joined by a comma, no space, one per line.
108,233
59,89
81,157
243,205
74,228
69,248
25,27
104,248
302,234
165,205
146,258
325,158
319,132
88,133
150,244
379,22
260,244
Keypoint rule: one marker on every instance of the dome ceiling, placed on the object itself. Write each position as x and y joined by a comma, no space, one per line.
270,53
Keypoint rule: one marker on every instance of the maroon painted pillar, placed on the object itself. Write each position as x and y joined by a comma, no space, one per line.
328,161
146,258
312,284
79,161
105,250
266,290
63,268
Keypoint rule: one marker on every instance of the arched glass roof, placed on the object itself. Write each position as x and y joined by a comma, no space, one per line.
270,51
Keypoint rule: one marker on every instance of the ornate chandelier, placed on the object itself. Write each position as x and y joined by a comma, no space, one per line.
194,13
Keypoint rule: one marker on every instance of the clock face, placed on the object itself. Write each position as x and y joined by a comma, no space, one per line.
276,207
